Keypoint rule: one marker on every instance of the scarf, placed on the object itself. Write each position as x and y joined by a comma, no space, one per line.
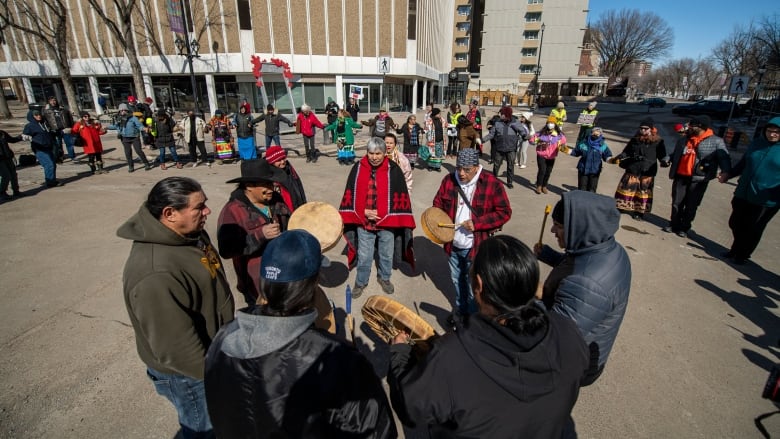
594,143
688,158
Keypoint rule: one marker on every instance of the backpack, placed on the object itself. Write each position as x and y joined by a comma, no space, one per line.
379,129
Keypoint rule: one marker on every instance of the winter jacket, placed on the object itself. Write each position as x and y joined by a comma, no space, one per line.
331,111
485,381
272,121
176,294
165,129
278,377
640,158
200,128
467,136
344,129
547,143
41,135
412,135
240,237
306,123
711,154
132,128
378,122
91,134
6,153
292,188
505,135
245,124
58,118
759,171
592,153
591,281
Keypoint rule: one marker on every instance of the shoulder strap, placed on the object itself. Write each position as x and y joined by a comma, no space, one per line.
463,195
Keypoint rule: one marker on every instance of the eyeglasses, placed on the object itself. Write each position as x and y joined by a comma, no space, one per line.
773,131
467,170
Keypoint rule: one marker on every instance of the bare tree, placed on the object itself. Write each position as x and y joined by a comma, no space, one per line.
740,52
767,33
47,22
629,35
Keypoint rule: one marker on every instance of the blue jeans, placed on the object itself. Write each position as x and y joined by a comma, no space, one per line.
365,254
173,153
460,264
48,163
188,396
60,138
275,139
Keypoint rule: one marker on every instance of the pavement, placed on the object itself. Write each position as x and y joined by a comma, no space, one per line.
691,358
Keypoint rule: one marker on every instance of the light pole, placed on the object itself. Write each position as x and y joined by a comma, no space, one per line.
756,92
192,48
537,87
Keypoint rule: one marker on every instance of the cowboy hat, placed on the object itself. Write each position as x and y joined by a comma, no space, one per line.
259,170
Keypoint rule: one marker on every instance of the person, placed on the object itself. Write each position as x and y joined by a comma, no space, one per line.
272,121
380,125
474,115
8,174
505,135
90,131
391,148
353,109
331,114
511,370
591,281
253,216
291,189
130,131
343,128
273,373
525,119
305,124
60,120
41,138
221,137
694,162
588,116
165,138
433,150
194,128
412,132
452,129
757,197
547,141
680,129
640,159
476,201
245,133
559,113
375,208
176,294
592,151
467,135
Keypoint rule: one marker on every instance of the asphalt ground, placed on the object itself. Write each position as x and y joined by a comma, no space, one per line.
691,358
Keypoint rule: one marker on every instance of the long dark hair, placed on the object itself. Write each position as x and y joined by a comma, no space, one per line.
510,276
172,191
288,298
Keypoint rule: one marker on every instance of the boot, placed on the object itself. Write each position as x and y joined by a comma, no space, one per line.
92,168
100,169
538,189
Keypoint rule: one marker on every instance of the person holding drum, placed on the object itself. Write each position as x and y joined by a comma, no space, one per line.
512,370
291,188
254,215
376,210
273,373
477,204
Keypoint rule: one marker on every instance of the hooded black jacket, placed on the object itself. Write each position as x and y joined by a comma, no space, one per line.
485,381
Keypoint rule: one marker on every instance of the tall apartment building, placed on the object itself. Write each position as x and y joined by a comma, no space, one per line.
393,48
502,48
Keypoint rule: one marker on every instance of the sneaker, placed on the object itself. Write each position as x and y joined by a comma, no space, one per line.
148,167
357,291
668,229
522,166
196,164
387,287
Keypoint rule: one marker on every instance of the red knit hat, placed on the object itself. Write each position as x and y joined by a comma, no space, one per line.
679,127
274,154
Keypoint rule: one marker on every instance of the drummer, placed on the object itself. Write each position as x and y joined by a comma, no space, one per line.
291,188
512,370
477,203
272,373
254,215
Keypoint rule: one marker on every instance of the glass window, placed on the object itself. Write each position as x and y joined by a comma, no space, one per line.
464,26
533,17
531,35
533,2
411,25
529,52
464,9
463,41
244,15
527,68
461,56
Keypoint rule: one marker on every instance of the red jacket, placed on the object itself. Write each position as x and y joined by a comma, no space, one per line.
307,123
91,135
489,201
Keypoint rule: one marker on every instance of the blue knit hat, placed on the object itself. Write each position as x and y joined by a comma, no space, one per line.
293,255
467,157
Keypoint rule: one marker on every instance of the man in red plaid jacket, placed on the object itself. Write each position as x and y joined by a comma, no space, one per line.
489,211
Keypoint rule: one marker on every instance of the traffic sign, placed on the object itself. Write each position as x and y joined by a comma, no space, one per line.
739,85
384,64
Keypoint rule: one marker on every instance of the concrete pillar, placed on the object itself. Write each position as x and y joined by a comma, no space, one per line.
211,94
425,93
340,98
28,90
414,97
93,86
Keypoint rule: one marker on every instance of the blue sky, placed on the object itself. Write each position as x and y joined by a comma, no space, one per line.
698,25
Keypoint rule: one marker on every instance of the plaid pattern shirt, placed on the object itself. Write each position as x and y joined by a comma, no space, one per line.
490,203
371,199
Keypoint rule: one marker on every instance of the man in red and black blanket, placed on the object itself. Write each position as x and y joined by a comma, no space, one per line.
376,204
476,201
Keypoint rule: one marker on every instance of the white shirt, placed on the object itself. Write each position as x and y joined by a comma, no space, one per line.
463,238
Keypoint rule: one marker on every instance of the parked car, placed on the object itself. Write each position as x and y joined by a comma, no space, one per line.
694,98
714,109
653,102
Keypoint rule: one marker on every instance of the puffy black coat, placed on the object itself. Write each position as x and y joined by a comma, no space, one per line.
641,159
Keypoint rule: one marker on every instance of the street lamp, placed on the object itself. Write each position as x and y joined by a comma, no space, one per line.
192,48
756,92
537,88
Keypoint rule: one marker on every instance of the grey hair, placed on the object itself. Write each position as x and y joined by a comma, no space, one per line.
375,144
171,192
305,107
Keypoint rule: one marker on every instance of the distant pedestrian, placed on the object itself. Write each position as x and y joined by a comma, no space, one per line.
8,167
166,138
592,151
590,113
331,114
380,124
344,128
547,142
305,124
353,109
505,135
559,113
194,128
41,139
90,131
272,121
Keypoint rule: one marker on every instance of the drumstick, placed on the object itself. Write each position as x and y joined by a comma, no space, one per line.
449,225
350,320
547,210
